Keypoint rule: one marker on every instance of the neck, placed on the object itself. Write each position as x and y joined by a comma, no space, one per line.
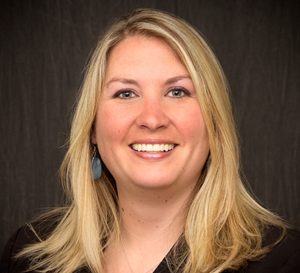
148,215
151,222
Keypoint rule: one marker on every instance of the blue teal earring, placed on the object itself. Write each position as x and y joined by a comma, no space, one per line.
96,164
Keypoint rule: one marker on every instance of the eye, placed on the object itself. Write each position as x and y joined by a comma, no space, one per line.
178,92
125,94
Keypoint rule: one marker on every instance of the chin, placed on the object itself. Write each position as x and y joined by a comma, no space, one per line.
154,182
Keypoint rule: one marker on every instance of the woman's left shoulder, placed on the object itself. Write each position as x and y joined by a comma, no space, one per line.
284,256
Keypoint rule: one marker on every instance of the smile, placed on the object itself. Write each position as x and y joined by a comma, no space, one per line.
152,147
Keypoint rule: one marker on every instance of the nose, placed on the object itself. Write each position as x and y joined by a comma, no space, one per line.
152,115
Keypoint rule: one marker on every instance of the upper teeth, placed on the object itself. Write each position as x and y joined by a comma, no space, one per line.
153,147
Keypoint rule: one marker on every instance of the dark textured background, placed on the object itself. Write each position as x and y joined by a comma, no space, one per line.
44,48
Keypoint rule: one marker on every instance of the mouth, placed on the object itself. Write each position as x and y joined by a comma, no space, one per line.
152,148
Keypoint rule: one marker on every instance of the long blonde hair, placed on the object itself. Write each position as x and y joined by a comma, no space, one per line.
224,226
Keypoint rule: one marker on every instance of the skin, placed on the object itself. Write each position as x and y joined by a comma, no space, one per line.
149,98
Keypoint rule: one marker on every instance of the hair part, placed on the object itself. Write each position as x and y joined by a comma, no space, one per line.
225,225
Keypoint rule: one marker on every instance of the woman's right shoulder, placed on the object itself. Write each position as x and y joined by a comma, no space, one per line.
26,235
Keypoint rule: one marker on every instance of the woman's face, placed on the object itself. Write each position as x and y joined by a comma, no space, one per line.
149,127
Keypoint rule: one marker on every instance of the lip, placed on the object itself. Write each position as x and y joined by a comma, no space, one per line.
153,141
153,155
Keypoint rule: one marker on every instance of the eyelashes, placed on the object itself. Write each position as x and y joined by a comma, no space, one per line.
173,92
178,92
125,94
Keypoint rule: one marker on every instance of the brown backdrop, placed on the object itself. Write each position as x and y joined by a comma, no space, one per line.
44,48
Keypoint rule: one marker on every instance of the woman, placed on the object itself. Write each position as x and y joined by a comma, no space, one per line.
166,195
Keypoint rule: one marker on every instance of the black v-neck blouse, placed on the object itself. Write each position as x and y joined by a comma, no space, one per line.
283,258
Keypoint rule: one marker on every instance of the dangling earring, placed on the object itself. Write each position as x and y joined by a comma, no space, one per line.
96,164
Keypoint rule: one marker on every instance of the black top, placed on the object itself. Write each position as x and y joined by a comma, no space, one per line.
283,258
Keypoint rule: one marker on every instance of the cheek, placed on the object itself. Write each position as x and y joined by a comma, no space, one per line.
191,123
111,124
106,125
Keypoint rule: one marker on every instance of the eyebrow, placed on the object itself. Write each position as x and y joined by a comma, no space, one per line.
122,80
177,78
131,81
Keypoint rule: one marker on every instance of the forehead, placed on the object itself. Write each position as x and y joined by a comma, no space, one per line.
143,52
